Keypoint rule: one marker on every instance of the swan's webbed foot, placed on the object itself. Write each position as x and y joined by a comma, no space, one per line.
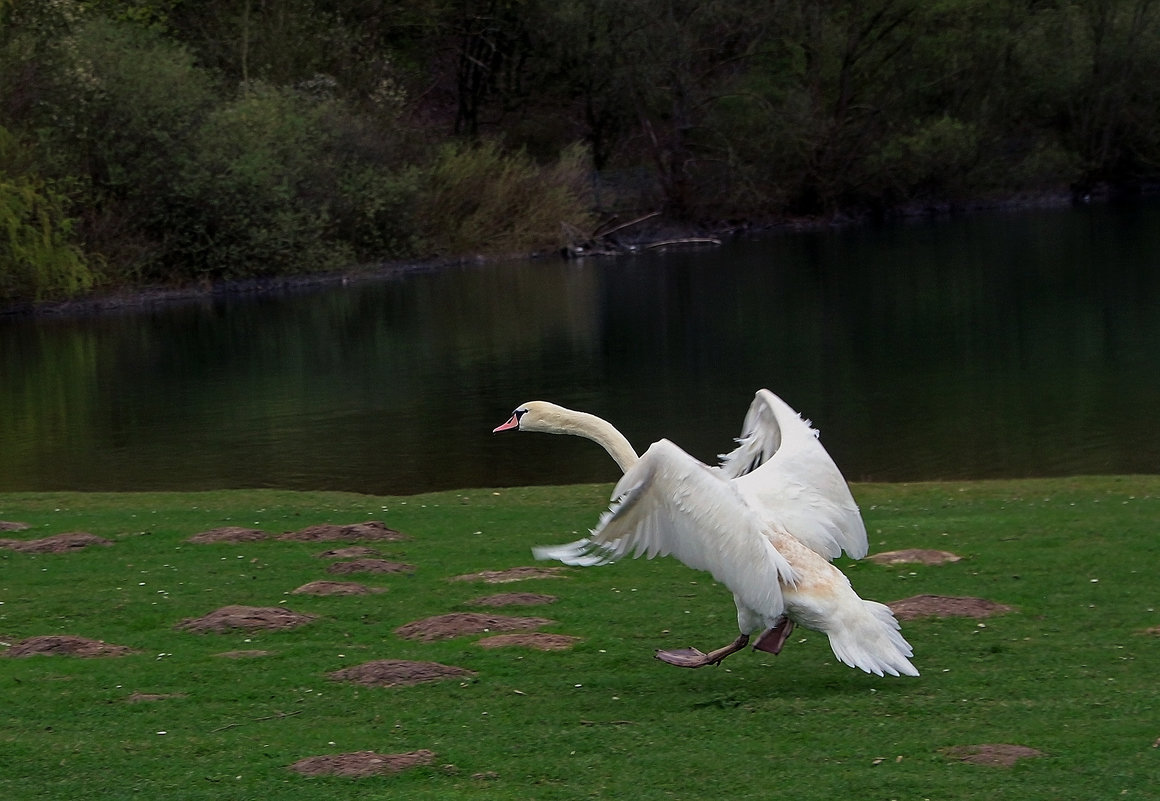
774,638
693,658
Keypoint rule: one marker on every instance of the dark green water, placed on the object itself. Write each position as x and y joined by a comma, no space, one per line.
993,346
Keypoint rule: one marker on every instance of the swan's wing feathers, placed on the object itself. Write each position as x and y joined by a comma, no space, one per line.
823,516
581,553
798,487
759,441
670,504
589,552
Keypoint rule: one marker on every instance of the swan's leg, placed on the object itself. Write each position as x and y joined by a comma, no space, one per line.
773,639
693,658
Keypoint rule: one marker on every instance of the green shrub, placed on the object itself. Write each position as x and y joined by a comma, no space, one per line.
273,184
124,102
374,212
38,257
934,159
245,199
480,199
110,107
181,180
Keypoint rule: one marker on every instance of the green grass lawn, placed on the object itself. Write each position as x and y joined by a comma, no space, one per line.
1073,672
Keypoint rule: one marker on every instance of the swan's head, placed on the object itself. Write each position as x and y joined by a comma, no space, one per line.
534,416
552,419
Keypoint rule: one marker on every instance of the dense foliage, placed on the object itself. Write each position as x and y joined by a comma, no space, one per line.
173,140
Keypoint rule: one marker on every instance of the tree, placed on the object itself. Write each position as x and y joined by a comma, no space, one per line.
1111,107
38,257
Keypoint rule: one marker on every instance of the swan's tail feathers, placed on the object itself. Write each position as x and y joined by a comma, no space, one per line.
869,639
581,553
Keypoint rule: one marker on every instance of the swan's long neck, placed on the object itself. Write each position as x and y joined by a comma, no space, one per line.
558,420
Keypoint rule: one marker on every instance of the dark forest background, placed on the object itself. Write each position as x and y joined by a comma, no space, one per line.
179,141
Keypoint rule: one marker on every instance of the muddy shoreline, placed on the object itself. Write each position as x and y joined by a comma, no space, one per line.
114,300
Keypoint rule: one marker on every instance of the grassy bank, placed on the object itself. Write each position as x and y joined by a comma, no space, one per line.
1070,672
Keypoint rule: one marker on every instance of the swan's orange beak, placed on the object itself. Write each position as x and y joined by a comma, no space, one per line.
514,422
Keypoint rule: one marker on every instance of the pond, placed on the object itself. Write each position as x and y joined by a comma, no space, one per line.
993,345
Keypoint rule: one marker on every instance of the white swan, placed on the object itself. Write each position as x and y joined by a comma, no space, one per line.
764,524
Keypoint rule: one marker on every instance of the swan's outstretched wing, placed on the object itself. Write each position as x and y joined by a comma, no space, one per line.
580,553
670,504
760,436
780,465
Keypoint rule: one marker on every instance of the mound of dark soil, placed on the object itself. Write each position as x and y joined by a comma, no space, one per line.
57,543
361,764
66,645
946,606
458,624
228,534
514,574
353,532
514,599
245,617
538,640
12,525
914,556
398,673
993,754
351,552
369,566
336,588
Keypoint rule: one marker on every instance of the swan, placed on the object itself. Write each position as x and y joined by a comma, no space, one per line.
765,523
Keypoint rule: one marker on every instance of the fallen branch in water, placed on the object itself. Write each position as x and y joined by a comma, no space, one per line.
692,240
602,242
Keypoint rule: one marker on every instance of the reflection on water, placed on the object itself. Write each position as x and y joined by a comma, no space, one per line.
1006,345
